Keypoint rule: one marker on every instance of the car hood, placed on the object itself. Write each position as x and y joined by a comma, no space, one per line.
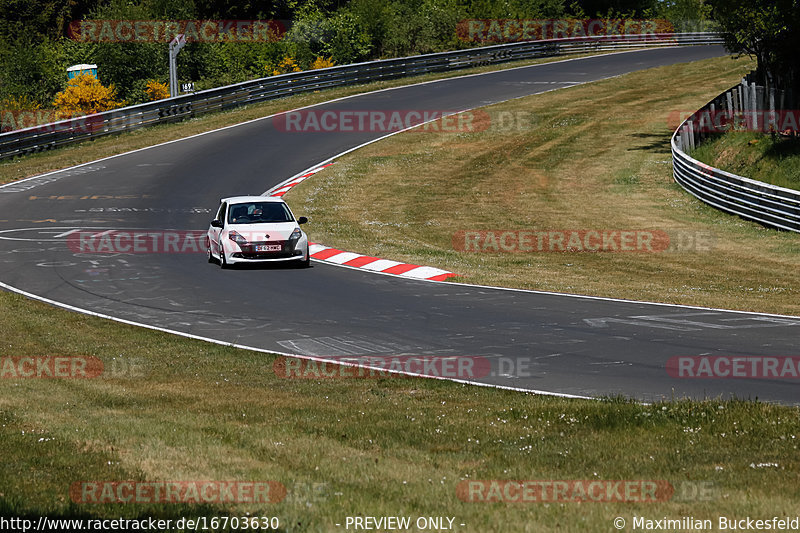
277,231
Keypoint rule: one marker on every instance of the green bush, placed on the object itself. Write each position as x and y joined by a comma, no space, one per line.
32,68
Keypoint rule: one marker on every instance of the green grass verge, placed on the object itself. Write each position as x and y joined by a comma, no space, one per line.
772,159
197,411
595,156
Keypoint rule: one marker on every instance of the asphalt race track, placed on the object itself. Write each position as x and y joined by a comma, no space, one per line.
544,342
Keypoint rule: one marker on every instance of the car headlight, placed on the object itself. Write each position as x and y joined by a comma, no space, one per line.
238,239
295,236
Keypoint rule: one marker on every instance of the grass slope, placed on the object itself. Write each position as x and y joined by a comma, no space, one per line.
775,160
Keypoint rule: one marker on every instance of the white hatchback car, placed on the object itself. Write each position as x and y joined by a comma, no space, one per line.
254,229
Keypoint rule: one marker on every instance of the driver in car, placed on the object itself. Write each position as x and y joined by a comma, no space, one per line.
239,214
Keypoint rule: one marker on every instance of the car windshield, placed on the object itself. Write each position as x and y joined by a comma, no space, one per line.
259,212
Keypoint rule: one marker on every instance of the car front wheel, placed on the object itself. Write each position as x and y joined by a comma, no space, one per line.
209,255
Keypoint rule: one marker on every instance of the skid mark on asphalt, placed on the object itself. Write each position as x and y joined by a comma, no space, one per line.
28,184
694,321
347,345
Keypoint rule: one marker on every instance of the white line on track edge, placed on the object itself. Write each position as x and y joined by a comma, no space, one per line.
266,351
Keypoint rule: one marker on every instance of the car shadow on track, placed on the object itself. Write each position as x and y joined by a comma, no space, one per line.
289,265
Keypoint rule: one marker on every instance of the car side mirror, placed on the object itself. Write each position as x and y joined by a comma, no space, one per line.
302,220
216,223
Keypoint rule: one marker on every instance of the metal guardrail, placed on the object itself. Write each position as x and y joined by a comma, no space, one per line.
773,206
53,135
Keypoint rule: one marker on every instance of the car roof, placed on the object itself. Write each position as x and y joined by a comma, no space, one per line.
244,199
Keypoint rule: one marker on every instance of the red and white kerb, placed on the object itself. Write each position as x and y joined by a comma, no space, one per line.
351,259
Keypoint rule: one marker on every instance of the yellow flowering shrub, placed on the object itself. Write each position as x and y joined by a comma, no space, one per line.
156,90
19,103
321,62
287,64
85,95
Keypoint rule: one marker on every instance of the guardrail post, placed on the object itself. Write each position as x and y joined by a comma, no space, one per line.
772,123
747,94
684,140
742,100
729,101
754,105
703,131
690,133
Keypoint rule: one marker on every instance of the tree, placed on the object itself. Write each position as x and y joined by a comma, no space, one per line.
768,30
39,18
685,15
32,68
125,64
616,8
347,41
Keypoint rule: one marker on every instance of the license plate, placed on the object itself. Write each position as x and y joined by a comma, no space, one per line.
268,248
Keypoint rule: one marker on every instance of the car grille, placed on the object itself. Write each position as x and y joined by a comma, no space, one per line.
248,251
